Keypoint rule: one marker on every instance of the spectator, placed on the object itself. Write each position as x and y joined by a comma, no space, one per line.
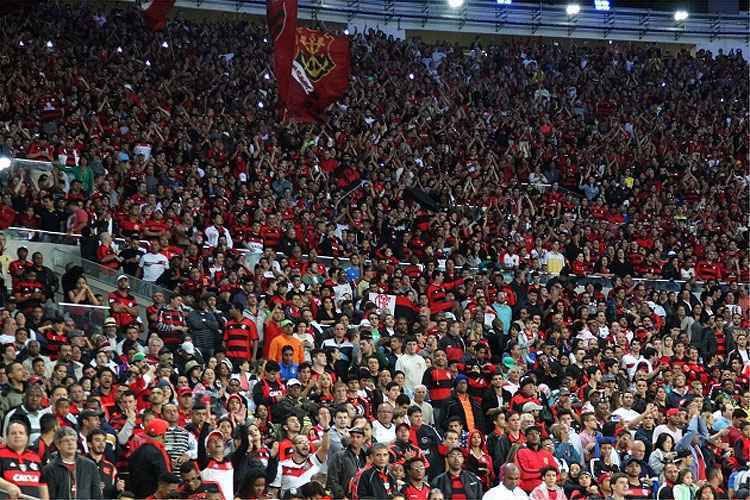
30,483
150,460
455,481
57,474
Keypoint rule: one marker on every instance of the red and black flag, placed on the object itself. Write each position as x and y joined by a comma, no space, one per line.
155,13
312,67
405,308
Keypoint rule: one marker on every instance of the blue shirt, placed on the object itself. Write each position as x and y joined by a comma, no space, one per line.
288,371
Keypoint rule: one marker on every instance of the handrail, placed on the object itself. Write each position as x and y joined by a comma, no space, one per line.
86,306
541,277
347,194
139,287
525,19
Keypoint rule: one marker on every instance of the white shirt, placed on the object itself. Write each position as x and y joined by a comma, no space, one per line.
153,265
382,434
213,234
413,366
500,492
290,474
626,414
663,429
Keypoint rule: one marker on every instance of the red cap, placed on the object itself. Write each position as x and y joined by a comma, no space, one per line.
214,435
157,427
184,390
672,412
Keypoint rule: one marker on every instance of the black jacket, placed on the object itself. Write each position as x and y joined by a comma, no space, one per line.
146,464
60,483
341,468
372,486
472,485
454,408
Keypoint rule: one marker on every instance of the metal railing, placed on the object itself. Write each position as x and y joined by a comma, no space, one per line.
92,270
146,289
519,18
85,316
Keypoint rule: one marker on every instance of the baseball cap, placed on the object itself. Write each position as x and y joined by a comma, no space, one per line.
214,435
460,378
532,428
293,381
110,322
526,380
139,356
672,412
357,430
286,322
157,427
182,391
531,406
122,277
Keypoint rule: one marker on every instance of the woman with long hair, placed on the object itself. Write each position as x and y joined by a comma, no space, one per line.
663,453
478,459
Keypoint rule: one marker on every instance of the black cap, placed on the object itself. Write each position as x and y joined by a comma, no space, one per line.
532,428
357,430
169,478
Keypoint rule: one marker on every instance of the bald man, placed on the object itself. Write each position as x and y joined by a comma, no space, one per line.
508,488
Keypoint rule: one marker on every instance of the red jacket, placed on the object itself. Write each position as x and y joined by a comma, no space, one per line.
530,463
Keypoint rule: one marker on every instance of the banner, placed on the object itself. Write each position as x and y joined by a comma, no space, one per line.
312,67
282,25
384,302
155,13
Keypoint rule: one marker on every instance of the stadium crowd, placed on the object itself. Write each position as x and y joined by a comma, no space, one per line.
483,188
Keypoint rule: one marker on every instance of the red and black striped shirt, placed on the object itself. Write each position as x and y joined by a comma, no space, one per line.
239,338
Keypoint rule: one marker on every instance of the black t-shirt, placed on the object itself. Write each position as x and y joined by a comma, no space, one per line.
49,220
130,268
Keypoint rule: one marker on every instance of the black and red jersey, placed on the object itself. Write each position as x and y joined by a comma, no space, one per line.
240,338
127,300
22,469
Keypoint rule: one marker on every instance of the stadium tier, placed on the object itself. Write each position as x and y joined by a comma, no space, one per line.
283,260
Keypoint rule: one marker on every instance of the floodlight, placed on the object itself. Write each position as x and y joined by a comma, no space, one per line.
454,4
681,15
573,9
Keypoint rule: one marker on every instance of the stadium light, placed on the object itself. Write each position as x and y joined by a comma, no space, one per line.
411,76
6,157
49,44
681,15
148,63
454,4
601,4
20,43
119,50
573,9
260,104
346,32
504,2
164,44
267,76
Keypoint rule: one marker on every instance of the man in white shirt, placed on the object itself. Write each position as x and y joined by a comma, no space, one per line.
508,489
625,411
672,427
153,263
383,428
301,466
631,360
412,364
213,233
